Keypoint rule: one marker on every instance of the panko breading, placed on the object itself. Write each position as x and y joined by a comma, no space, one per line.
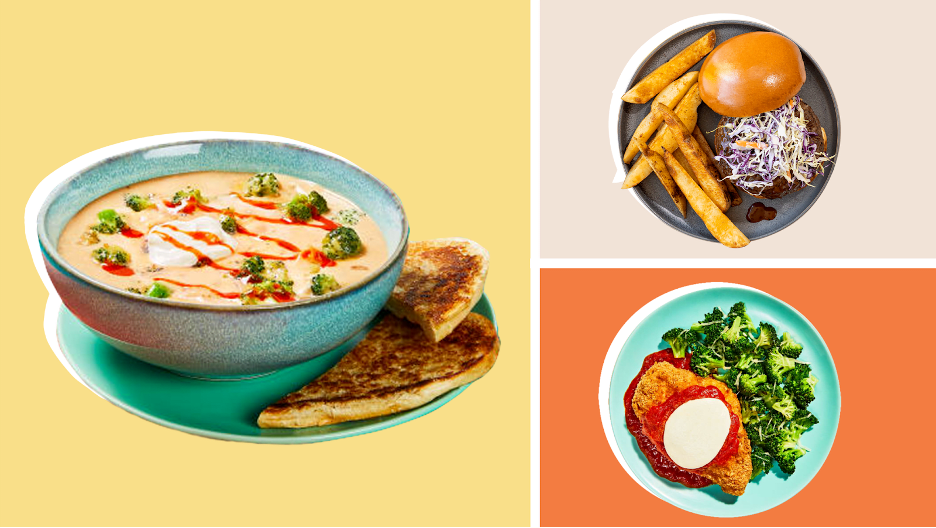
662,381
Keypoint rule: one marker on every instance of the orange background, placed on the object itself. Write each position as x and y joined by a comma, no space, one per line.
866,317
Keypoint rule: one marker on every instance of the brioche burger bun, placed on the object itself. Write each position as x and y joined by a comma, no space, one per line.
751,74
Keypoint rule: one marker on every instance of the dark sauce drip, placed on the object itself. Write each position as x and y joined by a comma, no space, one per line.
758,211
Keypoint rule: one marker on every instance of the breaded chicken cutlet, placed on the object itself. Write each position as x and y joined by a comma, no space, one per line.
663,380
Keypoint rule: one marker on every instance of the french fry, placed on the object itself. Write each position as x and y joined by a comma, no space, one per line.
659,78
656,162
671,95
690,147
717,223
688,112
733,193
681,158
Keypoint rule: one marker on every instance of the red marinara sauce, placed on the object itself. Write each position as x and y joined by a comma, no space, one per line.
661,463
656,417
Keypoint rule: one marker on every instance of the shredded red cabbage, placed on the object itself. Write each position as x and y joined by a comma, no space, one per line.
759,149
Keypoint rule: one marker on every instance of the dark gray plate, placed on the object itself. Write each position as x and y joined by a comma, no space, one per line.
816,91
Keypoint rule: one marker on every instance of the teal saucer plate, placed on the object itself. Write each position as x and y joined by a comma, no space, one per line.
767,490
221,409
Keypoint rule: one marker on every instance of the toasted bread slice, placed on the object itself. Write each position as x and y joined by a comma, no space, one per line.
442,280
662,381
393,369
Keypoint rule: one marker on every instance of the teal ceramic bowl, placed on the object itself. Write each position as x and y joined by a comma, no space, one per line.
221,341
767,490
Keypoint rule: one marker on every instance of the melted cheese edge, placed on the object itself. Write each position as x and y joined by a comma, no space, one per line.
696,431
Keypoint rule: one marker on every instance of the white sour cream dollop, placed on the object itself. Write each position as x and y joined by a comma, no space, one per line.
164,253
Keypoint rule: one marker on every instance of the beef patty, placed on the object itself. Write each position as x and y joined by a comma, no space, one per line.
780,186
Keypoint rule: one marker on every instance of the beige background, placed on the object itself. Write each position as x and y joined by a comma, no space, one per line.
877,204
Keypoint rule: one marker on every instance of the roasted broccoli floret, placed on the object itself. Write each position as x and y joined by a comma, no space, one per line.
229,222
137,202
801,383
746,361
790,348
265,289
299,208
272,280
185,194
761,461
706,361
739,312
766,426
114,255
767,337
263,184
109,222
779,400
786,451
730,377
680,340
318,202
343,242
711,326
801,421
253,268
750,385
323,283
276,271
777,365
748,413
159,290
732,334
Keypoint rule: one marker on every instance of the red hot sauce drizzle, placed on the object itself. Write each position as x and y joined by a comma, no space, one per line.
256,203
129,232
116,269
233,295
285,244
192,204
203,260
661,463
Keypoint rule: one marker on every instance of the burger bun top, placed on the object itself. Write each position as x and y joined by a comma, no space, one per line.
751,74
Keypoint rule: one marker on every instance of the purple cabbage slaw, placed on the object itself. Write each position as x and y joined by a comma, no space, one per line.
783,149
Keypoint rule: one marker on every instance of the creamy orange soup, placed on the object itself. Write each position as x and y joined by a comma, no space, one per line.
228,243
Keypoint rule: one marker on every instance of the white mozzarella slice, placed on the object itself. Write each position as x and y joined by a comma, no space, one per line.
164,253
696,431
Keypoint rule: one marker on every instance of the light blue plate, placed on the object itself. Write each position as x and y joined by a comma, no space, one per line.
766,491
225,410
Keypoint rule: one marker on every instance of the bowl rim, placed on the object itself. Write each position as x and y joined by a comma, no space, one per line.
185,138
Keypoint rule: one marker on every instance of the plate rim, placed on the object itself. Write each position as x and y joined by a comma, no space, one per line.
55,307
616,348
640,57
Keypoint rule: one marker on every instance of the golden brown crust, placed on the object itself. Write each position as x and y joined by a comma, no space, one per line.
440,283
661,381
394,368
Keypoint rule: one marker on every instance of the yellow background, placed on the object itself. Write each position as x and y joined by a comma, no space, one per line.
432,98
